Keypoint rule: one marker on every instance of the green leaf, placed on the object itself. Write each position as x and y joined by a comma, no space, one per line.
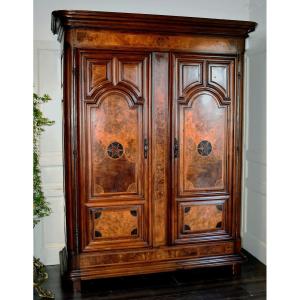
40,205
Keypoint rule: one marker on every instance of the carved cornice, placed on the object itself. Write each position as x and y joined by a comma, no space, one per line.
170,25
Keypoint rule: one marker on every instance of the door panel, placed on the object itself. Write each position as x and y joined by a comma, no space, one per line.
203,97
115,150
203,136
201,216
114,124
116,227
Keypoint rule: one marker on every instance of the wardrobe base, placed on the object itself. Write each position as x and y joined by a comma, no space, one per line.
73,277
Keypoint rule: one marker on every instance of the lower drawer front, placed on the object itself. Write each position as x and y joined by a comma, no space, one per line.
116,227
159,254
199,221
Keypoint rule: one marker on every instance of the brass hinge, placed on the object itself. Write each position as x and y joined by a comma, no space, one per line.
176,148
146,148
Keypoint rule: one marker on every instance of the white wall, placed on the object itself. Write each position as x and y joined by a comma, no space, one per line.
49,235
227,9
254,191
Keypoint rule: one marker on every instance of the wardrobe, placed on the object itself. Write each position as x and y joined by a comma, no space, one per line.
152,129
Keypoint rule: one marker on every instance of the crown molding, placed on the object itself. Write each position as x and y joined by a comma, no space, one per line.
128,22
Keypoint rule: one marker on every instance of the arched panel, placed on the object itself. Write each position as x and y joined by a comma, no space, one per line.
123,92
194,92
114,139
189,72
203,136
114,169
219,74
101,71
202,144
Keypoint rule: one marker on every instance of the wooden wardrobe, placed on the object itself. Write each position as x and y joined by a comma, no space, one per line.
152,120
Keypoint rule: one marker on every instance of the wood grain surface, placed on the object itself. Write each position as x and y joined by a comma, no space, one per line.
152,142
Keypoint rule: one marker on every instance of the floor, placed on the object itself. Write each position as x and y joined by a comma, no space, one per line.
201,284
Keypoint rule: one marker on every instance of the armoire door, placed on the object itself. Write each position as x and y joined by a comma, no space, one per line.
113,149
202,139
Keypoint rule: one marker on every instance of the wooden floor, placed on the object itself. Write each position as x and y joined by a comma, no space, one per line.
201,284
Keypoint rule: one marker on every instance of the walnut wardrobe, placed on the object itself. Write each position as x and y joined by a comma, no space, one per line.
152,120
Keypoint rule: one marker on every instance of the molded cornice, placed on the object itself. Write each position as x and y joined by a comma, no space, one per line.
171,25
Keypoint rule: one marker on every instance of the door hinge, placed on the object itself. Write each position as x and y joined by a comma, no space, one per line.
146,148
176,148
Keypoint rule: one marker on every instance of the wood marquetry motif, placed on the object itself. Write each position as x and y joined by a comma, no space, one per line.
114,223
201,218
115,150
204,148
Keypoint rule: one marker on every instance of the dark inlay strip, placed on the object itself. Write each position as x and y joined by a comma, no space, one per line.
134,231
204,148
219,207
133,212
98,233
187,209
186,227
115,150
97,215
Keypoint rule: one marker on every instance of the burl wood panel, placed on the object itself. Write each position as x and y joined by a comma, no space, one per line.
160,140
158,254
203,121
98,73
190,74
115,223
218,74
111,39
201,218
113,121
131,73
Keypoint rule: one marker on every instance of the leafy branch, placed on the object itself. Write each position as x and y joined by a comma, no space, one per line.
40,205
